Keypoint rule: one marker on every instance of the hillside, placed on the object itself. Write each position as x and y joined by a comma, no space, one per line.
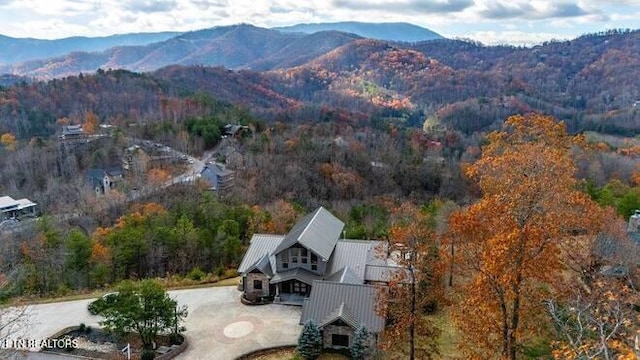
235,47
402,32
17,50
588,82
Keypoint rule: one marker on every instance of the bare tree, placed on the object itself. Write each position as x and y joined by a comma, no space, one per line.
595,323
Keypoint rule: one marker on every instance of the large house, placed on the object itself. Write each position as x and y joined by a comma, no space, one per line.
217,177
10,208
332,278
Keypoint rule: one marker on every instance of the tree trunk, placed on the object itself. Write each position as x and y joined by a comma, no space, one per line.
412,327
452,262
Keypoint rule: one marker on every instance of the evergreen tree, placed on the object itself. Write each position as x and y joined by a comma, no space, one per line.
310,341
360,344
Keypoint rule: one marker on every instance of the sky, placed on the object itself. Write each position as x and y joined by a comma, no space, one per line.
515,22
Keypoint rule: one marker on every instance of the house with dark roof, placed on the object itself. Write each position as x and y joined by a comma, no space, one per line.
72,131
218,177
103,180
332,278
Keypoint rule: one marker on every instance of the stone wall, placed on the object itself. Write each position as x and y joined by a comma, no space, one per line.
329,330
248,284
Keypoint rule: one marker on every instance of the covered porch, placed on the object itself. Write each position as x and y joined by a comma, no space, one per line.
293,286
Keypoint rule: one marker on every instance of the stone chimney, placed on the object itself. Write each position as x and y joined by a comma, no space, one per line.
634,222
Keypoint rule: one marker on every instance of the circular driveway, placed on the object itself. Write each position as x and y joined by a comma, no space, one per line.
223,328
218,326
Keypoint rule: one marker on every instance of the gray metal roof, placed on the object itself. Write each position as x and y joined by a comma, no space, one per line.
261,245
263,265
328,296
346,275
299,274
343,313
318,232
350,253
7,202
386,273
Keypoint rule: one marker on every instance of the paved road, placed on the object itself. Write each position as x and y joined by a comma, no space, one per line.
218,325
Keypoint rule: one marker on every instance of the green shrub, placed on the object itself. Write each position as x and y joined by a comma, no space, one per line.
147,355
196,274
310,341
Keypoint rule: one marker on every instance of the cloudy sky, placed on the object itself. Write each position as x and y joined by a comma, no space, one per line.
488,21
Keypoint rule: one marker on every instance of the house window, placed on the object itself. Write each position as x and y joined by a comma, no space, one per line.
304,252
314,262
314,267
257,284
300,287
340,340
304,260
284,259
294,255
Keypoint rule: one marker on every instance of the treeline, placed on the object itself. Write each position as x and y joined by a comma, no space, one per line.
588,82
149,241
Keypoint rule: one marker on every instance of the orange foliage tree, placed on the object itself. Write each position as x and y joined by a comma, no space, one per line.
509,241
8,140
414,288
91,123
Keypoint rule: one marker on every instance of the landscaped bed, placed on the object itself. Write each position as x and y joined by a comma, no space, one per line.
99,344
287,353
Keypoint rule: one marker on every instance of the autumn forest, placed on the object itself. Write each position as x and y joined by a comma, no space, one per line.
510,173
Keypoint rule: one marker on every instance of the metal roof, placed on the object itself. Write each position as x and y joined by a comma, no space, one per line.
385,273
263,265
261,245
357,254
346,275
318,232
299,274
25,203
328,296
7,202
343,313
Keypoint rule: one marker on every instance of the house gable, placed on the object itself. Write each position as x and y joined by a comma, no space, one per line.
317,232
355,304
261,245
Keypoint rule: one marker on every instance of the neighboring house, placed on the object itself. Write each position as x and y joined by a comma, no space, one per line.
103,180
135,160
614,255
331,278
218,177
234,130
15,209
72,131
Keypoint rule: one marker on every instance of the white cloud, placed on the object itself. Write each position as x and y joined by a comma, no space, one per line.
490,21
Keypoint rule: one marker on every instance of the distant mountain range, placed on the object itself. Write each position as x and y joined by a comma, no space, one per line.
16,50
590,82
235,47
383,31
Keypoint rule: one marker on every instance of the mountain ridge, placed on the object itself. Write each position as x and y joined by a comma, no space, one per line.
389,31
237,47
27,49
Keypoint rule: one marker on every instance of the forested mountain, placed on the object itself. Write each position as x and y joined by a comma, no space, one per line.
588,82
235,47
16,50
384,31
